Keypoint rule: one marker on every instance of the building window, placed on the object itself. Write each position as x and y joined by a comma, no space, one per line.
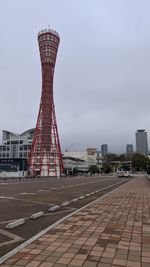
14,142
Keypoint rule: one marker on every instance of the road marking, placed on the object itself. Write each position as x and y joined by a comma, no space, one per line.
10,235
31,201
25,193
44,190
3,197
48,190
78,184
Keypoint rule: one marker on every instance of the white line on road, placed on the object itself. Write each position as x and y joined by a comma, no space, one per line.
3,197
25,193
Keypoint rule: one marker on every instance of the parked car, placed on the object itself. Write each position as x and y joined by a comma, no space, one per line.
125,174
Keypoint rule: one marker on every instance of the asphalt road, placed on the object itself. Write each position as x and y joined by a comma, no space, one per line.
21,199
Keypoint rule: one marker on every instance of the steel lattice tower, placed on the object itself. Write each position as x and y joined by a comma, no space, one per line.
45,157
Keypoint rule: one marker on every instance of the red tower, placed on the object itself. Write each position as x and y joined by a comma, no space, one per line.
45,158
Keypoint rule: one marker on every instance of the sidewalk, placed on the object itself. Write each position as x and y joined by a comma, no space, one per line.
114,231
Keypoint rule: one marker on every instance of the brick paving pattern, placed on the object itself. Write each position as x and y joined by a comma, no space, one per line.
114,231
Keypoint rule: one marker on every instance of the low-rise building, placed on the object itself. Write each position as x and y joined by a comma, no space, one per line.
14,152
91,156
74,166
16,145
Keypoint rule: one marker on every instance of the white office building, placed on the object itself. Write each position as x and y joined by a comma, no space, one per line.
16,145
91,156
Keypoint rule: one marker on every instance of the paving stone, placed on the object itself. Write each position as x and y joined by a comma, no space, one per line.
76,262
28,257
57,254
89,264
119,262
121,256
133,264
106,260
145,264
104,265
35,251
146,259
64,260
80,257
22,262
40,257
19,255
11,261
46,252
134,258
33,264
46,264
60,265
52,259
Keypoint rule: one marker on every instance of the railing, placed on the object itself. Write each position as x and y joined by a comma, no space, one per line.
49,30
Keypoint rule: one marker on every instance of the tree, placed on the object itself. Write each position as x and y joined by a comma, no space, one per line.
93,169
107,168
123,157
140,162
111,157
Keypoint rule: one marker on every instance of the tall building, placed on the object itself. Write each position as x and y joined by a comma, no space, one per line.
104,150
46,158
129,149
141,142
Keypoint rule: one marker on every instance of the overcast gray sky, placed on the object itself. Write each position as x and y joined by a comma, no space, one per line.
102,75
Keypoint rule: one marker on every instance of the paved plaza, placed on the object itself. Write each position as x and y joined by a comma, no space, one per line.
22,199
112,231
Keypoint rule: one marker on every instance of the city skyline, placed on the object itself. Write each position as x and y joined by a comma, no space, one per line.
129,149
101,79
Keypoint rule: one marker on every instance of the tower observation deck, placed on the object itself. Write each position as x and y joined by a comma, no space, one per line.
45,158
